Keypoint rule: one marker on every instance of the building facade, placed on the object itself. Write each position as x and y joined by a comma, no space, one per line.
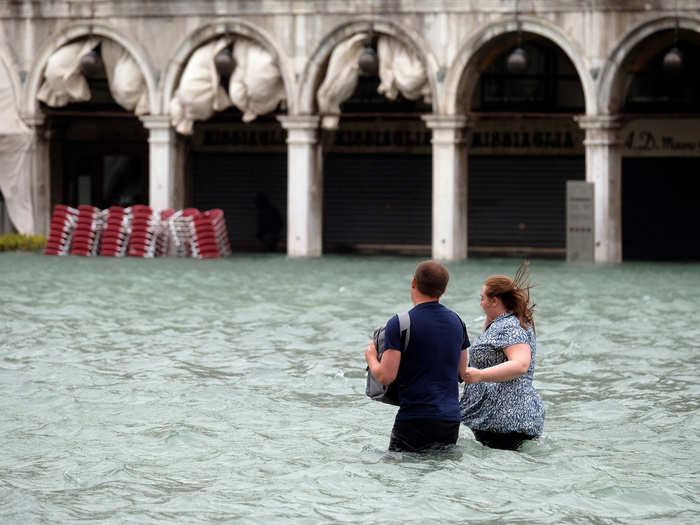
455,145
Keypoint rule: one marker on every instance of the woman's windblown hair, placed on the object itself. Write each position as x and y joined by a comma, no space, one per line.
515,294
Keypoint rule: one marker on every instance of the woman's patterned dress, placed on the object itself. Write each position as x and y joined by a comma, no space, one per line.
511,406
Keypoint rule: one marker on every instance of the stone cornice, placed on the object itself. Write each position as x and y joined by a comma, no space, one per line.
98,9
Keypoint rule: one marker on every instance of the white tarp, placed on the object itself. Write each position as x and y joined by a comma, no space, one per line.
126,81
15,159
400,70
200,92
64,83
256,85
341,79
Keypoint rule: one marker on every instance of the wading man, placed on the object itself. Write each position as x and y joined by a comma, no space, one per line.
427,371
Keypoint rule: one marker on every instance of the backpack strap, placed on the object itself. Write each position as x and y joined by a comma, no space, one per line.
404,328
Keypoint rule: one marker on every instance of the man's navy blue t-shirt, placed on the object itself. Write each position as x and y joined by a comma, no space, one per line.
429,369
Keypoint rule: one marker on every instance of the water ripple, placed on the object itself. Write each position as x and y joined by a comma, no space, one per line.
180,391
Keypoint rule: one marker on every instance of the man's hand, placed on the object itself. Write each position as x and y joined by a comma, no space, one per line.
472,375
370,352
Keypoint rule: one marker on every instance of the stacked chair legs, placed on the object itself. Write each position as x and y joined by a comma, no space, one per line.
138,231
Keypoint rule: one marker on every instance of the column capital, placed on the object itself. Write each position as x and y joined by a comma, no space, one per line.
33,120
448,130
155,121
598,121
434,121
305,122
301,129
601,130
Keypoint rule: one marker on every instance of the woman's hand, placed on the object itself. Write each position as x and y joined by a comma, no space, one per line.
472,376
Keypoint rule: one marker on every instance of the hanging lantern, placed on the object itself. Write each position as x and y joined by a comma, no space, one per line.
224,62
673,61
91,64
517,61
368,62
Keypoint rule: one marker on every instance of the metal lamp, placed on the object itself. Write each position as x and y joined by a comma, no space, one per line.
368,61
517,61
673,61
91,64
224,62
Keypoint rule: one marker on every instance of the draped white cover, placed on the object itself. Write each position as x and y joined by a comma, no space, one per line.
400,70
64,83
199,93
256,85
15,159
126,81
341,78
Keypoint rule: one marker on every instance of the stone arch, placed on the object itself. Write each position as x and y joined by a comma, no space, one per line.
310,77
463,73
81,30
612,88
223,28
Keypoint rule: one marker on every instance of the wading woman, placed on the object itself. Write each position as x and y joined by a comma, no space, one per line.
499,403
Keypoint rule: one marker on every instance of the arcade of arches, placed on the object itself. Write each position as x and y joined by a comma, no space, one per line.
400,174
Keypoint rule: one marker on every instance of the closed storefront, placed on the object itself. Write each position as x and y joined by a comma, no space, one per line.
660,219
520,202
517,185
98,160
377,201
240,168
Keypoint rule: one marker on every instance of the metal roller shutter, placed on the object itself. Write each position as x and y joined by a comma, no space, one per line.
230,182
660,219
520,202
381,200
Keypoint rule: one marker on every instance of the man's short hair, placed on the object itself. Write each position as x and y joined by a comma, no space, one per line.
431,278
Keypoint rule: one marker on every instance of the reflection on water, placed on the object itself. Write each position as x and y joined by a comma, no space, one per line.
180,391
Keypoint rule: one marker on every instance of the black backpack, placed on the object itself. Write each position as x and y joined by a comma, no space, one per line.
374,389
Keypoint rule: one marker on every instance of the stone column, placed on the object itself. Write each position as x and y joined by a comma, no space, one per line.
604,170
39,174
162,167
304,186
449,186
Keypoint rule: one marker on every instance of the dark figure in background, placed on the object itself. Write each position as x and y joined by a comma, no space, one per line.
269,223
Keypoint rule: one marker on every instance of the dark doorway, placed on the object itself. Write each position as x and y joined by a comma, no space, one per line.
660,220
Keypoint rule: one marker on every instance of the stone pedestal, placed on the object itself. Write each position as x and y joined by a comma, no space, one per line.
449,186
162,179
304,186
604,170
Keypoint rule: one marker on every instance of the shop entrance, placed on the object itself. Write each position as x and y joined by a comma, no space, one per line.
660,220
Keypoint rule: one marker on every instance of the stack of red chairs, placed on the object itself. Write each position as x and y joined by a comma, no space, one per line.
182,231
63,222
164,241
210,239
115,237
145,228
86,237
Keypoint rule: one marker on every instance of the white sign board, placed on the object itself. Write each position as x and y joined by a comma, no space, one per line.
580,231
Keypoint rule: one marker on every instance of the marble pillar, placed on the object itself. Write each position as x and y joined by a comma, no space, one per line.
449,186
304,186
162,179
604,170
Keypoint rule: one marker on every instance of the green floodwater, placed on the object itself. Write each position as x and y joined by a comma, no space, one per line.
185,391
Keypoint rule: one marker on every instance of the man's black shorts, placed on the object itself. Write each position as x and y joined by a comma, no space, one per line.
416,435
